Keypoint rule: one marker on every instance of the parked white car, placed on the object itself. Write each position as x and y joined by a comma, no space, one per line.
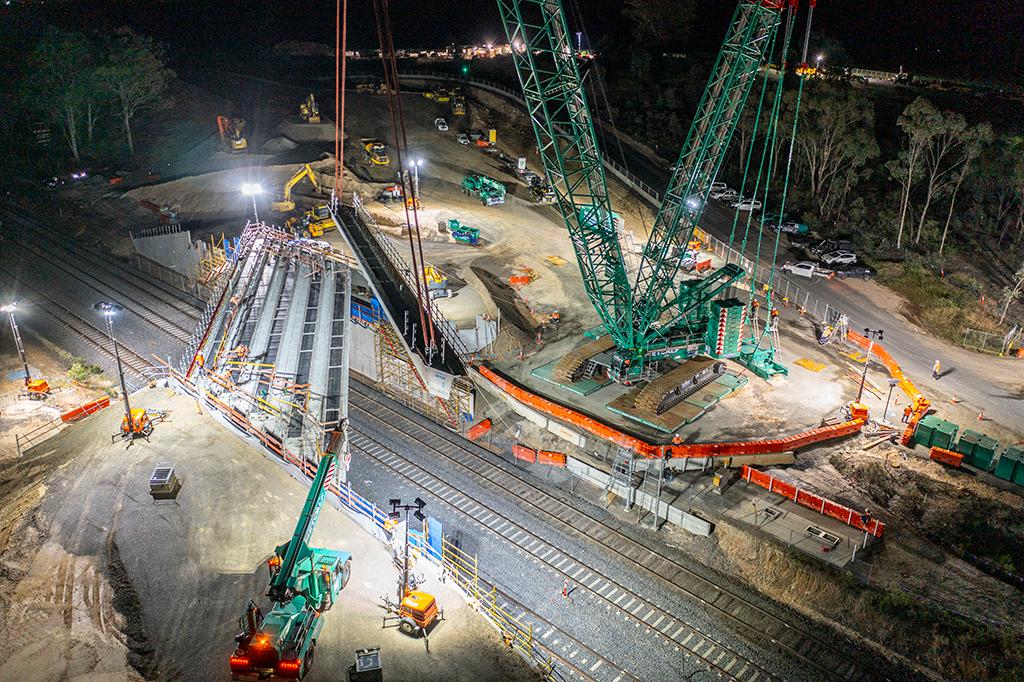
746,204
726,194
718,187
462,138
441,124
839,258
804,268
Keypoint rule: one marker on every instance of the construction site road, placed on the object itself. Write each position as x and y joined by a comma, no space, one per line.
677,605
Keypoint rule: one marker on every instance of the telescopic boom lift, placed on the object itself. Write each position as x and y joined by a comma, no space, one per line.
304,584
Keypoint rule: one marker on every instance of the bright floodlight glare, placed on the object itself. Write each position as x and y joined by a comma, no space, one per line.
10,307
107,308
693,202
251,188
820,57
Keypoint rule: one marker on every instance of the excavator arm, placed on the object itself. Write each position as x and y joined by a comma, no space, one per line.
287,204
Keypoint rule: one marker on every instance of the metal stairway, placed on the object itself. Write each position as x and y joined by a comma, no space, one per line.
621,476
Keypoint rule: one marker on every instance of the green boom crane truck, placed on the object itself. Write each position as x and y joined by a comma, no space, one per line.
304,583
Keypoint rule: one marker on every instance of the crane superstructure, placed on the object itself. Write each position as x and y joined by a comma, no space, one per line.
643,311
304,583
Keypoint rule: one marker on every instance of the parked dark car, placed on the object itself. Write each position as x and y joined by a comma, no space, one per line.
855,270
829,245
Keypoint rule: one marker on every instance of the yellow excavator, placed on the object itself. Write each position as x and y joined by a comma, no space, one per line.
312,224
309,110
287,204
376,153
231,136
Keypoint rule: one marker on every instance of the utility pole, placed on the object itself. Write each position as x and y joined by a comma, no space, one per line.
872,335
108,310
396,508
9,309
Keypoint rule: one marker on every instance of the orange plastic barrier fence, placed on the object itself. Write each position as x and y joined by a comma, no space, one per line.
479,429
524,453
816,502
947,457
645,449
919,404
85,410
556,459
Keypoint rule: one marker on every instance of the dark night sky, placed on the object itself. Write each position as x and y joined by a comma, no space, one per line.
972,38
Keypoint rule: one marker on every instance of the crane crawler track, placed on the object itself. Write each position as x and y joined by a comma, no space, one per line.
755,621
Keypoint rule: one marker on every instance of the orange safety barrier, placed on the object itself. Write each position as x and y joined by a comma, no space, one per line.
816,502
84,410
550,457
702,265
479,429
645,449
524,453
919,404
947,457
519,280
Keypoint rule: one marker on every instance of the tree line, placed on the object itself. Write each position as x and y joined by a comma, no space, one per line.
78,81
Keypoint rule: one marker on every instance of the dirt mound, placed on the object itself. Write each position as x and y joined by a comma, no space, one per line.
278,145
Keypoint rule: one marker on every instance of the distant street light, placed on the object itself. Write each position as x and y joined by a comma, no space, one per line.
251,189
10,308
872,334
108,310
817,61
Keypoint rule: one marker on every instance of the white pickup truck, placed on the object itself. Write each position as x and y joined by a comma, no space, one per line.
806,269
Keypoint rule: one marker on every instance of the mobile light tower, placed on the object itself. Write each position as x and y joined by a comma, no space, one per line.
416,610
35,389
251,189
415,164
136,422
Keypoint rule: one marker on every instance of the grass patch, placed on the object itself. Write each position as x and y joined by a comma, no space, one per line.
82,370
945,306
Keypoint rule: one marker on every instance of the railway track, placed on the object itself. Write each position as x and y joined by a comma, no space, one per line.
617,597
756,621
580,660
129,299
135,364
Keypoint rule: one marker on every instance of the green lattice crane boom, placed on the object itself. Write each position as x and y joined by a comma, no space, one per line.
549,75
555,100
746,45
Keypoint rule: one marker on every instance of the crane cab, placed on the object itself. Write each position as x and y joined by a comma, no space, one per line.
281,644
